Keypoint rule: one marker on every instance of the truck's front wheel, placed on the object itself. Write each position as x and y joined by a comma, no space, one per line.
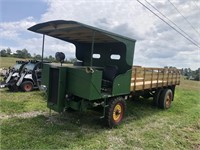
115,112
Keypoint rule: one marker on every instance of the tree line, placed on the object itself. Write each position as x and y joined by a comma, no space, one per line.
190,74
187,72
24,54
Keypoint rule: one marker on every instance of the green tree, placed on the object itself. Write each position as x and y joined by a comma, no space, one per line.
3,53
8,51
23,53
197,75
72,60
37,57
26,53
51,58
19,54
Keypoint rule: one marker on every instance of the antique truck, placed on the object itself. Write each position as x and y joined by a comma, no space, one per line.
104,75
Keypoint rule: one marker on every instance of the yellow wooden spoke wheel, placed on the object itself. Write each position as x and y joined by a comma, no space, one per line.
115,111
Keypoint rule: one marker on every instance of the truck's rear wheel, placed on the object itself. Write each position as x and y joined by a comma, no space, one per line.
115,112
165,99
27,86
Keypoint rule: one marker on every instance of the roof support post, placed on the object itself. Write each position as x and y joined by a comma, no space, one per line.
43,49
92,48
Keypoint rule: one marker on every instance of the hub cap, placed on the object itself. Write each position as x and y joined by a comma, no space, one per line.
117,113
27,87
168,100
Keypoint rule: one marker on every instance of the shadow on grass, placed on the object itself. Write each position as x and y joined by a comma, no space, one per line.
141,108
135,110
138,109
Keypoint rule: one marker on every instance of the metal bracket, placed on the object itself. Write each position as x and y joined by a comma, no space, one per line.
104,109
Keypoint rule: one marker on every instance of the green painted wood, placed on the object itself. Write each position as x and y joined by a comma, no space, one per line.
121,84
86,87
83,84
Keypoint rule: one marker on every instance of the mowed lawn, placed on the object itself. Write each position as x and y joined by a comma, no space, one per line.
26,123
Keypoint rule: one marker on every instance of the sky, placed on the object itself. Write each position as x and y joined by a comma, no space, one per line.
157,45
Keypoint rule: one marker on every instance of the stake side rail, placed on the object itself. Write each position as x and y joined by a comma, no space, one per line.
153,78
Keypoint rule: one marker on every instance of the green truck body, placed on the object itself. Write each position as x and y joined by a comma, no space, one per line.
102,77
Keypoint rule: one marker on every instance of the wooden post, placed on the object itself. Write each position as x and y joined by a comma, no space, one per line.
168,77
135,78
152,76
163,77
157,78
144,78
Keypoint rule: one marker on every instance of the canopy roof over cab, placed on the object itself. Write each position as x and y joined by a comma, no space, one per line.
90,40
74,32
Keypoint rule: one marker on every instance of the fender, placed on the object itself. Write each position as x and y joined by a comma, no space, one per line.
28,76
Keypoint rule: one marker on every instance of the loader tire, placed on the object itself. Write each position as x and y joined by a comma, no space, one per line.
27,86
13,88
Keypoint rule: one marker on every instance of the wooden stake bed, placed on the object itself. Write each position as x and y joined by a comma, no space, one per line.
152,78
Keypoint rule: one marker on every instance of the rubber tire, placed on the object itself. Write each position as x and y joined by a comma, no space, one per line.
164,100
156,97
12,85
24,84
110,110
13,88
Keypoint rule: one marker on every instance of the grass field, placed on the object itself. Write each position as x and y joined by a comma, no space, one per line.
6,62
27,124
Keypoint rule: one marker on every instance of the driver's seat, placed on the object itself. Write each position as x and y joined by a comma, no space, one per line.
109,73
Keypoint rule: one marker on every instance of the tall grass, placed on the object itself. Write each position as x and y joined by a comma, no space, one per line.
145,126
27,124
